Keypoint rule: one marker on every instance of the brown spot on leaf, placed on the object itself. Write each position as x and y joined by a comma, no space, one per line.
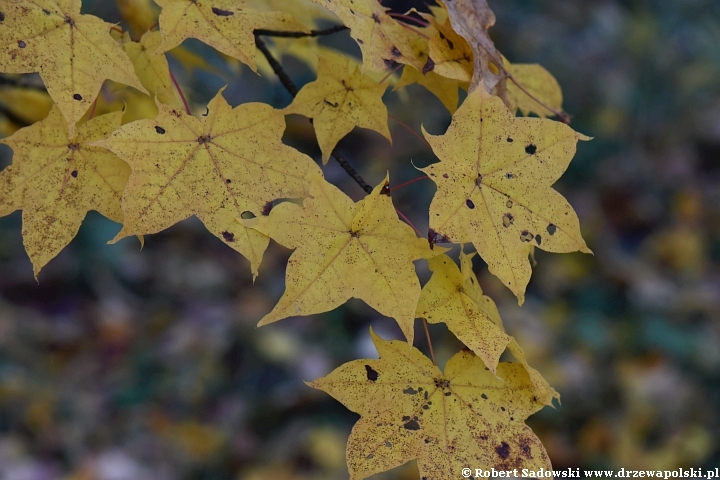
372,375
470,204
484,396
509,175
2,17
503,450
509,140
396,52
77,96
204,139
228,181
410,391
478,180
376,18
73,147
267,208
524,444
74,173
390,63
228,236
385,190
445,175
160,130
222,13
509,203
429,66
435,237
69,21
531,149
412,425
508,220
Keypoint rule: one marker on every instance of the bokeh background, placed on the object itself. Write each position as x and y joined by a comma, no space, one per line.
122,364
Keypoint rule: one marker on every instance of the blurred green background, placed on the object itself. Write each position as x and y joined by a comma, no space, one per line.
122,364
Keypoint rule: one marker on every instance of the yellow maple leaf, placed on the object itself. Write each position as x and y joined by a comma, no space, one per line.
543,391
226,25
339,100
152,67
494,186
73,53
56,178
306,12
537,82
455,298
217,167
464,417
344,250
382,40
449,53
444,88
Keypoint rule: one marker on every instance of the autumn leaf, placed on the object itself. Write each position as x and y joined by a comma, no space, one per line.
471,19
152,68
56,178
340,99
345,250
226,25
543,391
449,53
73,53
445,89
494,187
464,417
456,299
383,41
538,83
217,167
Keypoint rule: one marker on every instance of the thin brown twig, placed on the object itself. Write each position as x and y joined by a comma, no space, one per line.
292,89
180,92
427,334
311,33
402,16
409,27
407,220
277,68
390,73
404,184
562,116
92,110
413,132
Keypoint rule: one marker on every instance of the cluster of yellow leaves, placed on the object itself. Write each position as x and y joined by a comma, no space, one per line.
230,168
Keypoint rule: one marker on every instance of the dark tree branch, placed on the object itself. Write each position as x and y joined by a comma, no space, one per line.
311,33
22,83
10,115
351,171
277,68
293,90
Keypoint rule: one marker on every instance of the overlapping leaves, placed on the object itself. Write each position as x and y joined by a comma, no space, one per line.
446,420
494,189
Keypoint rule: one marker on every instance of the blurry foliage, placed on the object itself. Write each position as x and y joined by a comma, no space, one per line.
128,364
